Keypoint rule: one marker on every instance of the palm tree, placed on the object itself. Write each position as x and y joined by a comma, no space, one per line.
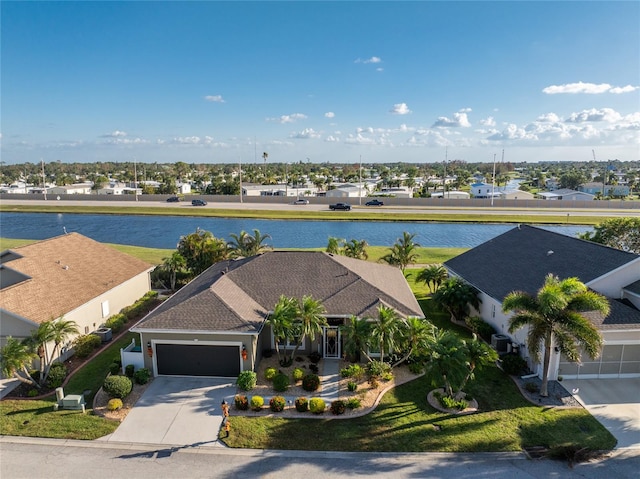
403,252
57,332
246,244
386,329
356,249
265,155
15,358
281,321
310,320
455,295
448,360
554,319
333,246
479,354
173,264
433,276
355,335
417,336
201,249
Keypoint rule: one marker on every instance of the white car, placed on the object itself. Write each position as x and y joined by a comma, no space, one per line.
301,201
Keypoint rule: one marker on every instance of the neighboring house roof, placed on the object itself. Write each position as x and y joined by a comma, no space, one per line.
633,287
57,275
237,295
564,193
623,315
521,258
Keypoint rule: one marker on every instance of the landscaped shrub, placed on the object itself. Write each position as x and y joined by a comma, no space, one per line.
32,393
317,405
114,404
376,369
298,374
277,403
247,380
129,369
338,407
388,376
451,403
416,368
281,382
480,327
315,357
531,387
353,403
114,368
270,373
256,403
57,374
115,322
302,404
241,402
311,382
142,376
352,371
84,345
314,368
513,364
117,386
373,382
352,386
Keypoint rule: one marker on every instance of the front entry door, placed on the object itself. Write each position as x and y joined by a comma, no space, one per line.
331,342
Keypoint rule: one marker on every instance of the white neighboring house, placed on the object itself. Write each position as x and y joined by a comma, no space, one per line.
454,195
77,189
565,194
484,190
68,276
119,189
516,195
520,259
19,187
350,191
184,188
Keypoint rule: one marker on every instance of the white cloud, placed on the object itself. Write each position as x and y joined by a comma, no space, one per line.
115,134
329,114
580,87
369,60
459,120
379,69
603,114
289,118
624,89
306,134
187,140
332,139
512,132
214,98
489,121
548,118
400,109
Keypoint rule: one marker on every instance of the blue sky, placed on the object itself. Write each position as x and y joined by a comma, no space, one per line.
221,82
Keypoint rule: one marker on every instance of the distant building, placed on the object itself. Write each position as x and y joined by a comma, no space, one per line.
516,195
565,194
77,189
454,195
606,190
483,190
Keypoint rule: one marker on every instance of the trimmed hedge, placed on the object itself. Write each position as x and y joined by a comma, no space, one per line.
311,382
57,374
302,404
317,405
256,403
142,376
84,345
247,380
277,403
281,382
117,386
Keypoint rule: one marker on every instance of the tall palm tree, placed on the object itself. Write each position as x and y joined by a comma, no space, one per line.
386,330
356,334
417,336
479,354
554,319
403,252
310,321
448,360
281,321
356,249
15,359
58,332
173,264
246,244
433,276
455,295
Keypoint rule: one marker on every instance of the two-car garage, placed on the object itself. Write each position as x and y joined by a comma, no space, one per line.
180,359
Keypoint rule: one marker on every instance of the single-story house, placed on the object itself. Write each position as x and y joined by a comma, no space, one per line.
68,276
454,195
75,189
520,259
516,195
350,191
565,194
216,325
484,190
606,190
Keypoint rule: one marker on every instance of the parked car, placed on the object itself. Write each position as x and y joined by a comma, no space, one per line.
374,203
301,201
173,199
340,206
198,203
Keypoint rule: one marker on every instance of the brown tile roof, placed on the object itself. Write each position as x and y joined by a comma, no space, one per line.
237,295
64,273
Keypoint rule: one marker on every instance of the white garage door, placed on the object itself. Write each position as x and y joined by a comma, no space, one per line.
616,361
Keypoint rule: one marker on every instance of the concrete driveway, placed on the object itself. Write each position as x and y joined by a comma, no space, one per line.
615,403
177,411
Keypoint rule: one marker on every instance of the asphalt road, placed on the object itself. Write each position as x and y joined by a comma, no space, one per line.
30,457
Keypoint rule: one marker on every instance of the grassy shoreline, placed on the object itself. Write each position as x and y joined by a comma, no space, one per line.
425,215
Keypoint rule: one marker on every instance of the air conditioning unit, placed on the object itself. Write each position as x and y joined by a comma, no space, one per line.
500,342
105,334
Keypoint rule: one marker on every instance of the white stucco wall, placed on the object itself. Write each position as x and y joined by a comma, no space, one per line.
612,283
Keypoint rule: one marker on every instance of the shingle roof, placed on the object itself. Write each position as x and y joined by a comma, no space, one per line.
63,273
623,315
521,258
238,295
633,287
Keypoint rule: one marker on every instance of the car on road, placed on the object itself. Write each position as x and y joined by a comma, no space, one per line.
301,201
340,206
374,203
198,203
173,199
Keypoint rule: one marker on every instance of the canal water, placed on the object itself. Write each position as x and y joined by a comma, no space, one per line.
165,231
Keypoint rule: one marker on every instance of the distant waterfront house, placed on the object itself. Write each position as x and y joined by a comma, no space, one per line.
119,189
605,190
216,325
565,194
521,258
71,276
350,191
77,189
483,190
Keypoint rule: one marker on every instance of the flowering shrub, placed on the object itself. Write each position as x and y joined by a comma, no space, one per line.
310,382
338,407
297,374
257,402
241,402
302,404
114,404
270,373
277,403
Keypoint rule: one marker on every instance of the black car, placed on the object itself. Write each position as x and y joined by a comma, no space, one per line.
340,206
198,203
173,199
374,203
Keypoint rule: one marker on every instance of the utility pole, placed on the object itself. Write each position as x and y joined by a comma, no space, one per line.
44,184
240,168
444,175
135,177
493,183
360,182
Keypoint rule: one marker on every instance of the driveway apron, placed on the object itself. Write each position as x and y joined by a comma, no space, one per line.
177,411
